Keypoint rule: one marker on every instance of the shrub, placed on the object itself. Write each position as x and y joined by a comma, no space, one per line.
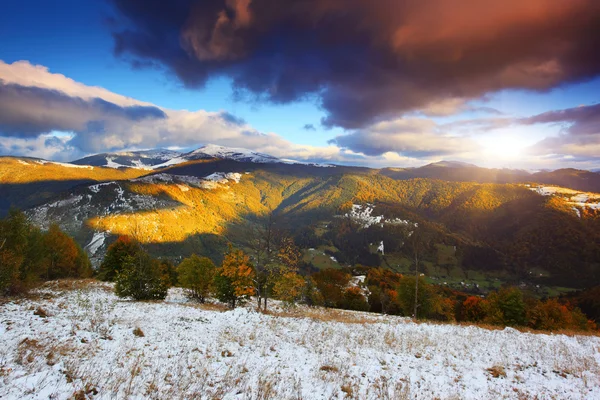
196,275
115,256
473,309
140,278
353,299
506,307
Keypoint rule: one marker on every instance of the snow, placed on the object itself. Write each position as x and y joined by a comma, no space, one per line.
574,198
68,165
380,248
231,153
171,162
111,164
211,181
363,214
224,177
23,162
188,351
96,242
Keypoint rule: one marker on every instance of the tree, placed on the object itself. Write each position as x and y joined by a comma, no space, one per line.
64,258
407,297
354,299
473,309
196,274
140,278
235,278
273,253
115,256
506,307
331,284
289,287
417,243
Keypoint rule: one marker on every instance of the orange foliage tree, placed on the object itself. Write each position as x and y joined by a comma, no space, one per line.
235,277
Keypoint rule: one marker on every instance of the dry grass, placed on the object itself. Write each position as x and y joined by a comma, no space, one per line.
137,331
497,371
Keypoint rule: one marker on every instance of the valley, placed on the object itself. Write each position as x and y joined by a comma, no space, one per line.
482,233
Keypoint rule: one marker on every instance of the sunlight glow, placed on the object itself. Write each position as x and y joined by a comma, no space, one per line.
503,147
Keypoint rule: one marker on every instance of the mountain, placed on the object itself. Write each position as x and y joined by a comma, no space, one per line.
160,158
146,159
577,179
458,171
479,225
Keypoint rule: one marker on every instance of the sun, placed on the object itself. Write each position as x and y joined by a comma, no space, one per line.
503,147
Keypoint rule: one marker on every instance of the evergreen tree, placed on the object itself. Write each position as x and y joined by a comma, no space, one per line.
115,256
140,278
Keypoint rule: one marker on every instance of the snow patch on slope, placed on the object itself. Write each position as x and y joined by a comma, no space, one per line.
574,198
363,215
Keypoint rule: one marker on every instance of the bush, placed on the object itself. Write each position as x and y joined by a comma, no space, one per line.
196,275
354,300
115,256
140,278
506,307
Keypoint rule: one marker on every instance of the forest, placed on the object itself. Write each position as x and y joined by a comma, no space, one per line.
268,265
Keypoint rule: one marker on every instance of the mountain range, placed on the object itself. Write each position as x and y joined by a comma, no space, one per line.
486,225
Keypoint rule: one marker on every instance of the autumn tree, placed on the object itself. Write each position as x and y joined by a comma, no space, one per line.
235,278
115,257
64,258
289,287
473,309
383,296
28,255
196,275
273,253
331,284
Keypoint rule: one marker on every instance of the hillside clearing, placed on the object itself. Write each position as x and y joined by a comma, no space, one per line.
80,340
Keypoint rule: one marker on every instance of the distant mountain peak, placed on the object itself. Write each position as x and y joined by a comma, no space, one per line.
451,164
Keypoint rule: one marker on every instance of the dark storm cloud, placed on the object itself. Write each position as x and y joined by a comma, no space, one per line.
366,60
30,111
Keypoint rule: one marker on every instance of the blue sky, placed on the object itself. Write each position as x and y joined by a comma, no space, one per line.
75,39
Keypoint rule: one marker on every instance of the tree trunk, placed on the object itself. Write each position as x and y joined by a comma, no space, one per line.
265,300
416,286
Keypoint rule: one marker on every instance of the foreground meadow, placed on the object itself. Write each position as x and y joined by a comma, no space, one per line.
77,339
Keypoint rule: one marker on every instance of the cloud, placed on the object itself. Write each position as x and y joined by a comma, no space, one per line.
579,135
409,137
47,115
366,60
28,111
309,127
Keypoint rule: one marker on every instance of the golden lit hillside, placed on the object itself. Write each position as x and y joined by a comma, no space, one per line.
24,170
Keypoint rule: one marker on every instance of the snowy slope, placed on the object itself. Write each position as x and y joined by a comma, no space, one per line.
86,346
157,159
145,159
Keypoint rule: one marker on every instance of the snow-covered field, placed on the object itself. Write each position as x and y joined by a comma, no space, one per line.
85,345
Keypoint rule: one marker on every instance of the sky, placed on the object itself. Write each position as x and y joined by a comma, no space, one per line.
394,83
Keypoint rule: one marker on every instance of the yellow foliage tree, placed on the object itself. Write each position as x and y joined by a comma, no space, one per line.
238,269
289,287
